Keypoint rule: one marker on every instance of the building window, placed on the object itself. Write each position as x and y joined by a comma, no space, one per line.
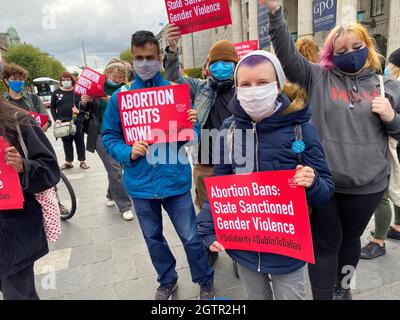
247,11
361,16
377,8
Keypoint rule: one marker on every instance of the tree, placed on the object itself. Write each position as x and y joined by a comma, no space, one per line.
37,63
126,55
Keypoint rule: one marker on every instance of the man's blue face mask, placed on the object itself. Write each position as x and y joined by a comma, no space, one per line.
222,70
16,86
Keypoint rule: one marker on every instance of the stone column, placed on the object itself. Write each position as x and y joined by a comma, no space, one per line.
346,11
237,22
305,18
253,19
394,26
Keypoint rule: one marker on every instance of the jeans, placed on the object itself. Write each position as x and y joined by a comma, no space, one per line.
285,286
181,212
116,189
79,139
20,286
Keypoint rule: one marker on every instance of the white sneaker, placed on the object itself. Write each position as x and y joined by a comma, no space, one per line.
128,215
109,203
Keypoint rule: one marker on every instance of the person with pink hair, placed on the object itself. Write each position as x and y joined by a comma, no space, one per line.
353,122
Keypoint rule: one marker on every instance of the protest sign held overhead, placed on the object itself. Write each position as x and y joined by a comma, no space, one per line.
156,115
196,15
90,83
261,212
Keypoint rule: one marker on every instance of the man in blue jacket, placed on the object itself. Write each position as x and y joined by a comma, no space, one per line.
154,186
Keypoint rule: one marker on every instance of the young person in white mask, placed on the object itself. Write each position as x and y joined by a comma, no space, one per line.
284,139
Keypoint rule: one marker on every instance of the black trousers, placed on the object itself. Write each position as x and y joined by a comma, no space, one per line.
79,139
20,286
337,228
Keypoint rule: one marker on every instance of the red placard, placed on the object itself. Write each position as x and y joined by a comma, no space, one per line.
156,115
196,15
40,119
11,196
262,212
90,83
244,48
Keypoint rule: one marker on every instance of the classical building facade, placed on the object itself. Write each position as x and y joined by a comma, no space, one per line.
381,17
9,39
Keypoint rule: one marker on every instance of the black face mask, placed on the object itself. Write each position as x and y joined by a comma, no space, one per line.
221,86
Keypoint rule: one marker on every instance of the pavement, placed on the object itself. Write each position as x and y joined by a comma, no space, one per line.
100,256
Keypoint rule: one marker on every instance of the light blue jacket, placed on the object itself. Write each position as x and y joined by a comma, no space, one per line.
142,179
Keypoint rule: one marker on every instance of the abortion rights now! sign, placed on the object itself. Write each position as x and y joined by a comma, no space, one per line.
261,212
156,115
196,15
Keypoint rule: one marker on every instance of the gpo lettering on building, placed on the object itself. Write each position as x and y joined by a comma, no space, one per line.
321,6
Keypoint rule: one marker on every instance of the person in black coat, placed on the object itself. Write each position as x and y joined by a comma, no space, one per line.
22,236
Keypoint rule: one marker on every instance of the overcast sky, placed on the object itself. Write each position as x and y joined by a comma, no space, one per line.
59,26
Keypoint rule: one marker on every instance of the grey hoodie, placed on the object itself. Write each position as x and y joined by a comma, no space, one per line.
355,139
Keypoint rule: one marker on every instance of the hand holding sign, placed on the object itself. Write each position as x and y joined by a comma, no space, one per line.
173,36
216,247
139,149
193,115
14,159
304,177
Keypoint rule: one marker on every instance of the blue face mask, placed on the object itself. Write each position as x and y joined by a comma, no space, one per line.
351,62
387,72
16,86
112,83
221,70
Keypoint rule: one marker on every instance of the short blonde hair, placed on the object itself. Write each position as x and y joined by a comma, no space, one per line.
396,70
116,64
374,57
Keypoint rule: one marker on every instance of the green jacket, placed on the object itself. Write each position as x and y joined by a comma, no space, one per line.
33,102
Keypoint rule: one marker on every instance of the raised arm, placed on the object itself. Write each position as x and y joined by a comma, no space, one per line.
297,69
171,63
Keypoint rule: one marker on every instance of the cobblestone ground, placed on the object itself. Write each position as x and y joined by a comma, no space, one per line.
100,256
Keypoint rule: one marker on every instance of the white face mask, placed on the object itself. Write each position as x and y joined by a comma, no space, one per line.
67,84
258,102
